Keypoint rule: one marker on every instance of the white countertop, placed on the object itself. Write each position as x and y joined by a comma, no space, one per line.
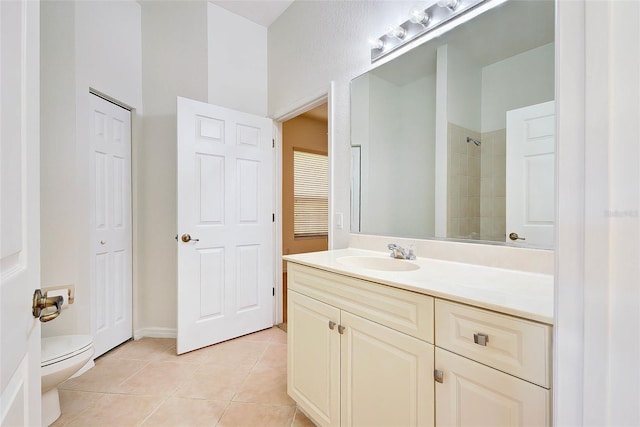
518,293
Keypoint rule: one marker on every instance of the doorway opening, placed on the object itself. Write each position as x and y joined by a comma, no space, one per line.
305,187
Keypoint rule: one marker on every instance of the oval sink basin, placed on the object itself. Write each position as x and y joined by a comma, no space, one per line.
378,263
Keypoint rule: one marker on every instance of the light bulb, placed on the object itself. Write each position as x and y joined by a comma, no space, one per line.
398,32
449,4
376,44
419,16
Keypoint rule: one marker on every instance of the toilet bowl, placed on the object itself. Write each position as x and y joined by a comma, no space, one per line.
62,357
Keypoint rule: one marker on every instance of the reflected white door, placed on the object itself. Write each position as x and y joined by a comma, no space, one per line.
530,174
110,127
19,212
225,224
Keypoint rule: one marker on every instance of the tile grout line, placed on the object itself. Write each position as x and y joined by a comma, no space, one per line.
269,341
272,338
154,410
235,392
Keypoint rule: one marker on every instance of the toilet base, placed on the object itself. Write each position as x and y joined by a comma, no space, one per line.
50,406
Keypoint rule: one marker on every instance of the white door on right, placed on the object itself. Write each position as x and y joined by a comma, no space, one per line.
530,175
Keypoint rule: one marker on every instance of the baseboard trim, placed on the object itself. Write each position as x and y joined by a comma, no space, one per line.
155,333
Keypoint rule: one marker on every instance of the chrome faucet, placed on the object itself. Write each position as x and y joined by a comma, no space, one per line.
399,252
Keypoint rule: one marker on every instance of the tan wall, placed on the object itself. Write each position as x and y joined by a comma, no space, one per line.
307,134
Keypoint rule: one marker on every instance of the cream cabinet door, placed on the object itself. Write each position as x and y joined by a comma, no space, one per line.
387,376
472,394
313,377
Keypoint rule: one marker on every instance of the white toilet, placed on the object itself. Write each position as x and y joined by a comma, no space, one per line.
61,357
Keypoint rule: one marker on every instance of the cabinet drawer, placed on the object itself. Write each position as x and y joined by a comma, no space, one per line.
519,347
404,311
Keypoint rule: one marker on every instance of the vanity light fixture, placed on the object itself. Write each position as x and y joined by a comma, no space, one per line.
419,16
376,44
420,22
398,32
450,4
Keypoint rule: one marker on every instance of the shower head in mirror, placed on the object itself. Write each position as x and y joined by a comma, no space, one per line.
475,141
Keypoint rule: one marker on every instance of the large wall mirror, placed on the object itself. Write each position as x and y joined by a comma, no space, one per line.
455,138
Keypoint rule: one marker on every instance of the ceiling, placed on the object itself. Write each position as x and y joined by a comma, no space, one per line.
262,12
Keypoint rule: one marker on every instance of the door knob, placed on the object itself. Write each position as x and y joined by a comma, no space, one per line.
187,238
514,236
42,302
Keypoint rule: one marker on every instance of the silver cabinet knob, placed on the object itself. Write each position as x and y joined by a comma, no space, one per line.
481,339
438,375
332,325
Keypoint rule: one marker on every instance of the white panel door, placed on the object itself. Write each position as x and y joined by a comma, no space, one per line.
472,394
110,127
19,212
225,226
530,175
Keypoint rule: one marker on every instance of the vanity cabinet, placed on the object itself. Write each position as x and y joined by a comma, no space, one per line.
490,368
357,351
367,354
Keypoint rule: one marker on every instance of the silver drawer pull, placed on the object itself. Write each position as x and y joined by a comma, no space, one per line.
481,339
438,375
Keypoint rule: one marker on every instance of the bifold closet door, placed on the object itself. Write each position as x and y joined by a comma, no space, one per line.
111,291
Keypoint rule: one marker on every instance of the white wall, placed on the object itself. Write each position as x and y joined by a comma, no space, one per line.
174,63
237,61
80,50
359,113
378,190
195,50
417,176
597,375
464,90
160,50
314,43
58,172
521,80
596,378
401,126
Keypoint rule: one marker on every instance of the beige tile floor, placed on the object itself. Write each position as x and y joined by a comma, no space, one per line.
241,382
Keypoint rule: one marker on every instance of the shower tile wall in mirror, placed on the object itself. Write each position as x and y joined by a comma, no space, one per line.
456,137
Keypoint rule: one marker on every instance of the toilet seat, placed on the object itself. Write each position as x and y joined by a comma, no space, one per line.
57,349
